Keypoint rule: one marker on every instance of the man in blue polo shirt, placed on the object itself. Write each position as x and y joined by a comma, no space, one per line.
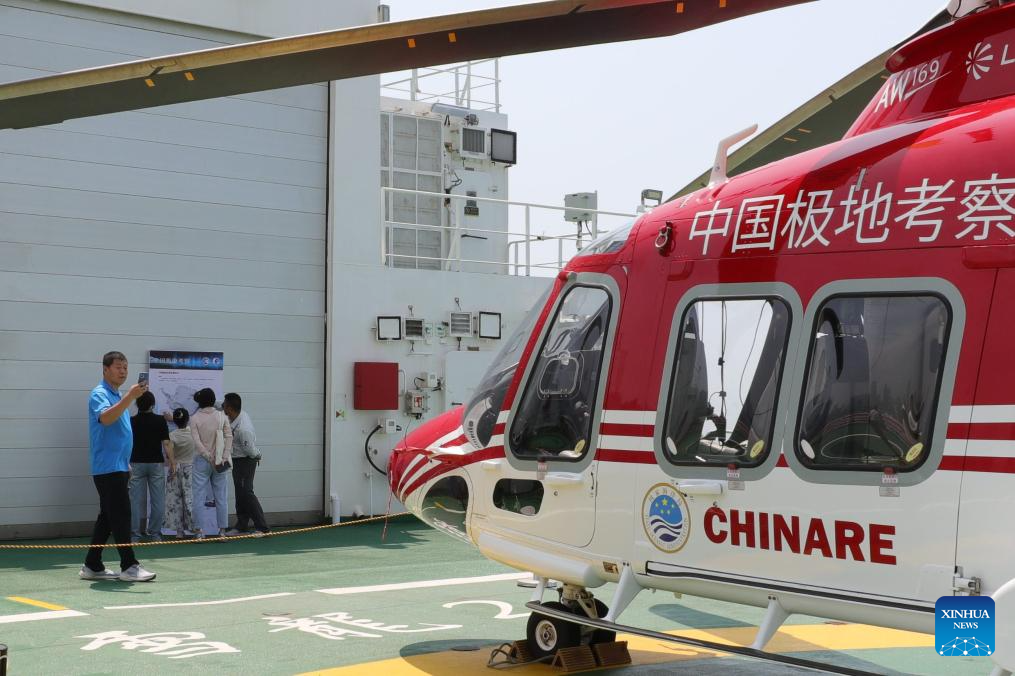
110,444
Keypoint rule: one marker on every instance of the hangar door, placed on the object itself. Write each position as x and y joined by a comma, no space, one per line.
190,227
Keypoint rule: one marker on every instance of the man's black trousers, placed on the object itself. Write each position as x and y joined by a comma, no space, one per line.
248,507
114,518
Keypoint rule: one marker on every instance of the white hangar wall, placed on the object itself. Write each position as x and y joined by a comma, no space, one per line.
198,226
249,225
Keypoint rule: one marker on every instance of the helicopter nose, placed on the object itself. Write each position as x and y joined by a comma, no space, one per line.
401,464
428,472
418,457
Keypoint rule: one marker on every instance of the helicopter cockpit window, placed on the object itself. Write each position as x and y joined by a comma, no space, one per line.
554,418
725,382
610,242
872,382
482,410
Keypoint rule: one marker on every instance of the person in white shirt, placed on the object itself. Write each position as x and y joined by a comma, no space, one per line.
246,457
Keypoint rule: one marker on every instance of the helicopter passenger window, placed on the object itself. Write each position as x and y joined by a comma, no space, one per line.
725,382
521,496
872,381
554,418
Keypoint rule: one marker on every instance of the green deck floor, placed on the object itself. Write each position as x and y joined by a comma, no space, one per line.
284,634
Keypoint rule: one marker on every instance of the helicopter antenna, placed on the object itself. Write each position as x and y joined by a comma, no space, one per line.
718,174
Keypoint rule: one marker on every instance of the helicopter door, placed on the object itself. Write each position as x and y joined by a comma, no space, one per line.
872,445
986,431
858,491
548,488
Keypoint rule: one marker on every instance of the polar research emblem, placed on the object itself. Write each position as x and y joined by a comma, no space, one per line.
964,626
664,516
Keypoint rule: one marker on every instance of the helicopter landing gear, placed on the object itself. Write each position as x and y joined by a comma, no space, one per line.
546,635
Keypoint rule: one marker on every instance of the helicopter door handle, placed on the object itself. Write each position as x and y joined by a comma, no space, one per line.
701,487
491,465
563,479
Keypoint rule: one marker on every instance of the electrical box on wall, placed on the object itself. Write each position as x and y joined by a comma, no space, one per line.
375,386
578,207
417,402
460,325
415,329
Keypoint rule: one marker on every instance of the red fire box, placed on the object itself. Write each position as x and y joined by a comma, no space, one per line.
375,386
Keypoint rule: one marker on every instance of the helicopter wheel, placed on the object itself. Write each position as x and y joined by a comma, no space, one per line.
547,635
602,635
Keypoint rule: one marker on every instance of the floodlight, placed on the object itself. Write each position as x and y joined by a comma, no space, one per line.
503,146
489,325
654,195
389,328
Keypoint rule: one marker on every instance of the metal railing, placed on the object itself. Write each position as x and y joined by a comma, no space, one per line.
533,246
458,83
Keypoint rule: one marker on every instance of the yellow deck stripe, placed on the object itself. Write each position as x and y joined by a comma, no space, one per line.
37,604
790,639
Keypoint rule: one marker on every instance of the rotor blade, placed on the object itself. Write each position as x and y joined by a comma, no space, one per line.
353,52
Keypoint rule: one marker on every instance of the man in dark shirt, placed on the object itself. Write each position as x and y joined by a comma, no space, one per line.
147,468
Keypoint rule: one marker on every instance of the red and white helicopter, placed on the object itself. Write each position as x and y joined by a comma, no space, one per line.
789,389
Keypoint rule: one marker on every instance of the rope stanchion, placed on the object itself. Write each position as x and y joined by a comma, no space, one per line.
228,538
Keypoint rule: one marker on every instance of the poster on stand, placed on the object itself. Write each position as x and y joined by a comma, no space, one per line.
174,377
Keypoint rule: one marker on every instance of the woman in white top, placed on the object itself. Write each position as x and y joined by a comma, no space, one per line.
211,463
179,489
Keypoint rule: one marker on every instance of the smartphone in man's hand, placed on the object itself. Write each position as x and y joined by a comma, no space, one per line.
142,378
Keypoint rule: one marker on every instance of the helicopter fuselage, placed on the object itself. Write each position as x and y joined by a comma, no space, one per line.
792,384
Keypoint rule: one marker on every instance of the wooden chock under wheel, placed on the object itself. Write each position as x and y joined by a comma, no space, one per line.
613,654
579,658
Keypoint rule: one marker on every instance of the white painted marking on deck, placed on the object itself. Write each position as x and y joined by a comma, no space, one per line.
423,584
199,603
46,615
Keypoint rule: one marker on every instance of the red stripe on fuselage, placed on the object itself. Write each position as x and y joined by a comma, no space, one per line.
623,430
450,462
630,457
977,463
982,431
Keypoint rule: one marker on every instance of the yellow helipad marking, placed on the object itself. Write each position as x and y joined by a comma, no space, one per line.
791,638
37,604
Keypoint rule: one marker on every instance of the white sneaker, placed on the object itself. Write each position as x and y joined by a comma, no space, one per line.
137,574
87,573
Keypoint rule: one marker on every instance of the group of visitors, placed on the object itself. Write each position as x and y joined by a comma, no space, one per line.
139,466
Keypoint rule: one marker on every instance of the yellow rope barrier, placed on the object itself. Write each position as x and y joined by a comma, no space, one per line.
229,538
